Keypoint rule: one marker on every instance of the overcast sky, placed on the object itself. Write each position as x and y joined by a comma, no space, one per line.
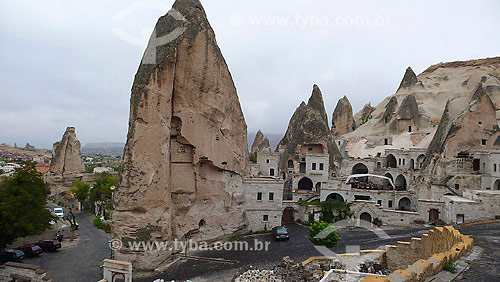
72,63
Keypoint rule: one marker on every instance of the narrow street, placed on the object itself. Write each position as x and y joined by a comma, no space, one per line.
79,262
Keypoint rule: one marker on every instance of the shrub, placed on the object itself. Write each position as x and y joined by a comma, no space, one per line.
101,225
330,241
449,266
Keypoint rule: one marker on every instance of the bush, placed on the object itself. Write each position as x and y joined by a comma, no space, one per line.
101,225
449,266
330,241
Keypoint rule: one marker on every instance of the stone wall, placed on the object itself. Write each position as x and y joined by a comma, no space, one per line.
256,209
424,256
13,271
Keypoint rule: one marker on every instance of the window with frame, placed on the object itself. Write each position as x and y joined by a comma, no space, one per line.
265,218
321,166
313,166
259,196
271,196
390,203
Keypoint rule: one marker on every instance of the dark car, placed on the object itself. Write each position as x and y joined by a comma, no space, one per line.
11,255
31,250
49,245
280,233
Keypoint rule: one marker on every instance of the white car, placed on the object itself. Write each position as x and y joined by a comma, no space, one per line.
59,212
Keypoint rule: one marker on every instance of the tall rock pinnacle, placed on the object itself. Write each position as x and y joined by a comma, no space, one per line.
259,138
67,155
342,119
409,79
186,134
309,125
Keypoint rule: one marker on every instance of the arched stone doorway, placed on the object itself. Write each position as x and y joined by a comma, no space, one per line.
305,184
359,168
390,161
288,215
365,220
335,197
433,215
404,204
387,184
318,186
400,183
496,186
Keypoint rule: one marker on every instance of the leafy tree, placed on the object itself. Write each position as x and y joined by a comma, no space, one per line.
101,191
22,205
331,211
329,238
80,190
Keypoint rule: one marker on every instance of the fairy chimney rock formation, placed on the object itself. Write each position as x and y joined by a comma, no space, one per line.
407,116
186,148
309,125
257,141
342,119
67,155
364,115
409,79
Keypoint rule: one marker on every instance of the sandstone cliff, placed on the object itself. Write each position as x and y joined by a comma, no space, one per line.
67,155
309,125
342,118
186,148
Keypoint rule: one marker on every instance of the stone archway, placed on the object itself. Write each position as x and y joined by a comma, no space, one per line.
400,183
404,204
387,183
390,161
496,186
365,220
359,168
335,197
305,184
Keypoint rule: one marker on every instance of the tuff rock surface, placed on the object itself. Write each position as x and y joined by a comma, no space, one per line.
257,141
186,148
342,118
309,125
409,79
67,155
364,115
461,131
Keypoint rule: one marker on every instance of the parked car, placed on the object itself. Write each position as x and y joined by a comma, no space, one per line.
11,255
30,250
49,245
59,212
280,233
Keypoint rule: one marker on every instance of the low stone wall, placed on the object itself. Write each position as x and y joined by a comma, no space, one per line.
13,271
424,256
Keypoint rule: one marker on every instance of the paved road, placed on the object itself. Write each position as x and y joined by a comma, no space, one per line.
298,248
487,267
80,262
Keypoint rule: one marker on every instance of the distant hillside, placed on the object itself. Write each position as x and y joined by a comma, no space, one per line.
274,139
103,147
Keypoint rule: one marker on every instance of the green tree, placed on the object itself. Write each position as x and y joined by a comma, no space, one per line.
80,190
328,238
22,205
101,190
